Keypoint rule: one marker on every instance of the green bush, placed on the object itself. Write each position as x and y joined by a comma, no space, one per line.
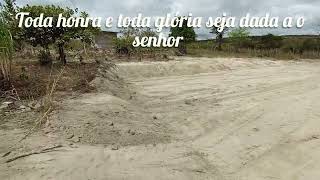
123,45
45,57
293,45
311,45
270,41
239,37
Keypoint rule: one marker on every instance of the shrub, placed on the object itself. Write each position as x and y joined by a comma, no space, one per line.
270,41
45,57
123,45
294,46
311,45
239,37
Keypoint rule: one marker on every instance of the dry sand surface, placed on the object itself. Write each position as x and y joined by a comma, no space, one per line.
191,118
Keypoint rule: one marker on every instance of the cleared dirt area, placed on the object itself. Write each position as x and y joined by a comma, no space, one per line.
191,118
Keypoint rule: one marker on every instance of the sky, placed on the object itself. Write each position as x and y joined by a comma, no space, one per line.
309,9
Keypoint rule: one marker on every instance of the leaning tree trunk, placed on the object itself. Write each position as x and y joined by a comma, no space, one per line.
62,54
182,49
5,66
85,49
220,39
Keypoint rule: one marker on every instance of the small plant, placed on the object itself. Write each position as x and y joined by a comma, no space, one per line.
45,57
23,76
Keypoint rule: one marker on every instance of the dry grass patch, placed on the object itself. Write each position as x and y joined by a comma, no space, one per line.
31,81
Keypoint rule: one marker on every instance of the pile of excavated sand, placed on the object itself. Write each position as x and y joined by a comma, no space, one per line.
113,115
185,66
117,113
108,81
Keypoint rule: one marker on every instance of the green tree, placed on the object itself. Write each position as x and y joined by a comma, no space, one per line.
123,44
239,36
8,12
86,35
184,31
46,36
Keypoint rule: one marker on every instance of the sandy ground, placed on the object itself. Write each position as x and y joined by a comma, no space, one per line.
223,119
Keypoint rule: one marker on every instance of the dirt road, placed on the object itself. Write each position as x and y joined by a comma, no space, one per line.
223,119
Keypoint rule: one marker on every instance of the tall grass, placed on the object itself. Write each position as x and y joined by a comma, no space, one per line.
6,51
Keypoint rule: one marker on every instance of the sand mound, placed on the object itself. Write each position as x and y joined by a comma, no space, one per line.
117,113
108,81
113,115
184,66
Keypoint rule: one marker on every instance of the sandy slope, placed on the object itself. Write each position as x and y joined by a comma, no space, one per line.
227,119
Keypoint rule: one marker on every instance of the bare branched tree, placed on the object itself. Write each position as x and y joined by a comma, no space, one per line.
219,35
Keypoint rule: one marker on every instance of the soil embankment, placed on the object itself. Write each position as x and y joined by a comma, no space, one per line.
223,119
